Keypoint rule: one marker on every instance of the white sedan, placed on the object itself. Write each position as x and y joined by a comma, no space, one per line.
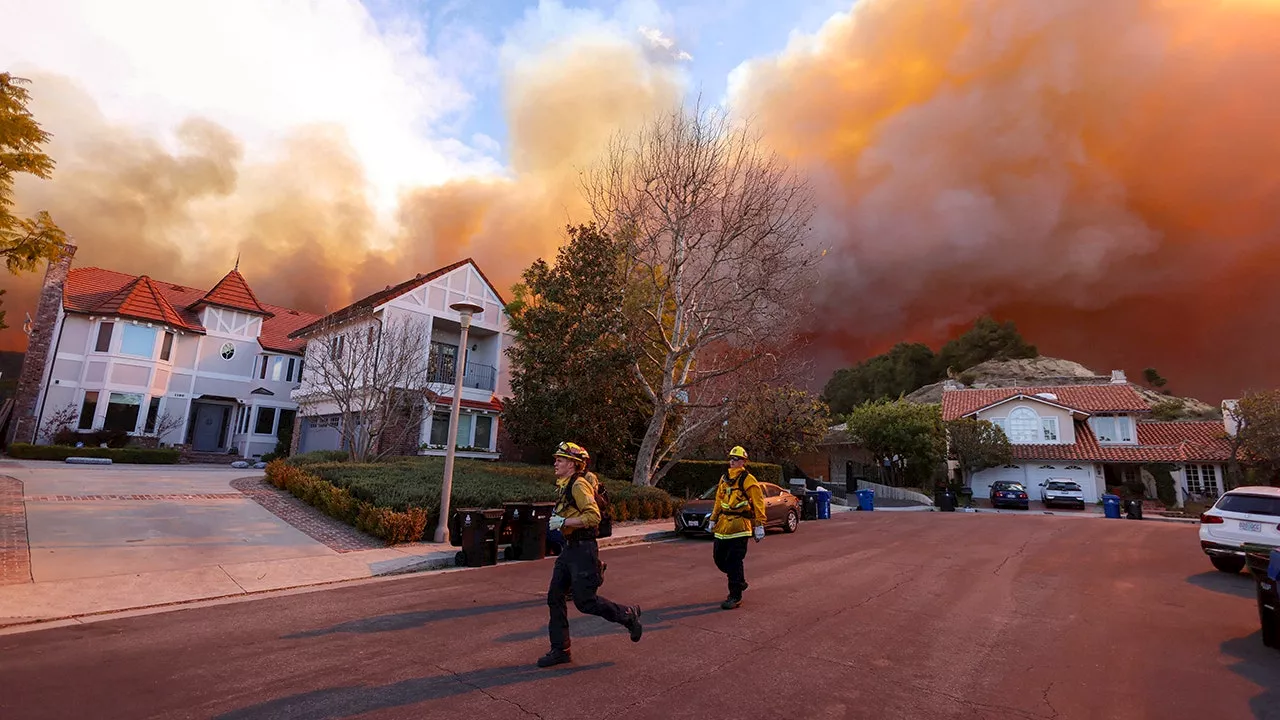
1246,515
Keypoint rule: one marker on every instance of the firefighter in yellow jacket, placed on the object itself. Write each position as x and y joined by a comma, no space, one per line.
737,516
577,570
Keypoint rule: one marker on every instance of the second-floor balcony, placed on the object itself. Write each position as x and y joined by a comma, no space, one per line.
476,376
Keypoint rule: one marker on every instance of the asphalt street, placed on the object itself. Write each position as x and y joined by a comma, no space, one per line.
875,615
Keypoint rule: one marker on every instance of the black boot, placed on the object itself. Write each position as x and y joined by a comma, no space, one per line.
554,657
632,623
731,602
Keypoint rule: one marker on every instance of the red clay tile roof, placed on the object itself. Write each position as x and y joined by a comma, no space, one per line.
1085,398
92,290
369,302
1157,442
233,292
141,300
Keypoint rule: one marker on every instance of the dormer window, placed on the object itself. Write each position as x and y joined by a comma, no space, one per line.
1112,428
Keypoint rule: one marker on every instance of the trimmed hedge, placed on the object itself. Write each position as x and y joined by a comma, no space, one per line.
691,478
412,485
136,456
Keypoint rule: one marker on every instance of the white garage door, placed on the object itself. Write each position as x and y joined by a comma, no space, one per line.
1082,474
982,480
320,433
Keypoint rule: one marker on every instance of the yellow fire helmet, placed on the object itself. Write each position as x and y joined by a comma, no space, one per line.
573,451
738,452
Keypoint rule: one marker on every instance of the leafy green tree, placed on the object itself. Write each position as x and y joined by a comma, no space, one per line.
901,370
977,445
986,340
571,368
907,438
24,242
778,423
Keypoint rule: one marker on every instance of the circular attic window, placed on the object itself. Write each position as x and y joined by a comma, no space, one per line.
228,350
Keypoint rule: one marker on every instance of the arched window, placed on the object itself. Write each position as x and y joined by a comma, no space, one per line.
1024,426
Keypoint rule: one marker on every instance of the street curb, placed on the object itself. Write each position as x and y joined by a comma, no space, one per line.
1085,516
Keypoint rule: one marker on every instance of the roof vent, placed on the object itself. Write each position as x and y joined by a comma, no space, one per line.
1047,396
179,288
295,312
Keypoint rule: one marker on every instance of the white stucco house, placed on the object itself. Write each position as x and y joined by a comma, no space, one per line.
131,354
1099,436
426,300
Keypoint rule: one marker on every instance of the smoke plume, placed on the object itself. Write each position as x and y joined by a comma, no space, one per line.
1106,174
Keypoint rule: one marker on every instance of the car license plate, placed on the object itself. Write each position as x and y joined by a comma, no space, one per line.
1250,526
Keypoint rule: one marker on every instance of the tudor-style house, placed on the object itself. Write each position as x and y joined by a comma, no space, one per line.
1099,436
423,301
211,369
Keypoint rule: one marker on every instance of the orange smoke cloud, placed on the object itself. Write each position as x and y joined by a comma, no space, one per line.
1104,174
300,220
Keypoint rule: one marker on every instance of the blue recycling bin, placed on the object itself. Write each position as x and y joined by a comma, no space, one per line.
866,499
821,503
1111,506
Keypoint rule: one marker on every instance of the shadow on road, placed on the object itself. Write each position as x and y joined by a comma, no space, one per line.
1239,585
655,620
345,702
1259,665
405,621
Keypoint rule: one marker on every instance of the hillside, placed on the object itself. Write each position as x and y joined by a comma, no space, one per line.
1055,371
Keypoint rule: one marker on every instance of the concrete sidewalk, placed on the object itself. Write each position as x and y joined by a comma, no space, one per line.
41,602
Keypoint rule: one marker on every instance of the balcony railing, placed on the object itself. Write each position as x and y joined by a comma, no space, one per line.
476,376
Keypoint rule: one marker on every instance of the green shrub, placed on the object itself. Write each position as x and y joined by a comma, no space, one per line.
136,456
690,478
1165,489
318,456
411,488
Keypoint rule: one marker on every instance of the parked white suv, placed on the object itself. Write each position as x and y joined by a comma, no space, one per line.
1061,492
1244,515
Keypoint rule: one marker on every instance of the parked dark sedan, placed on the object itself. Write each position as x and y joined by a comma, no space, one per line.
1008,493
781,509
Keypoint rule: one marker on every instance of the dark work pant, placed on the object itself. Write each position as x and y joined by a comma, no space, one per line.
729,555
577,570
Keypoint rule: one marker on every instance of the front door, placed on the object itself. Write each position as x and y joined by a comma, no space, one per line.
210,420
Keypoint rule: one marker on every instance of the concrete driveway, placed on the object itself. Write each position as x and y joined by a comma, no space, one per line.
93,521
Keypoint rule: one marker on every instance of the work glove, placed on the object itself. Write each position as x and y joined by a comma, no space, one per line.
758,531
711,524
556,522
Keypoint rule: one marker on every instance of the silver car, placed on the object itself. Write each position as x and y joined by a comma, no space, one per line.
1061,492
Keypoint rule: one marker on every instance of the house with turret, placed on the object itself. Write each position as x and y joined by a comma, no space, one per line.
208,369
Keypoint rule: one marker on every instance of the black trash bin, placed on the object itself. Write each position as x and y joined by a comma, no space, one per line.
809,507
455,524
1133,509
480,529
946,500
514,516
1259,563
529,534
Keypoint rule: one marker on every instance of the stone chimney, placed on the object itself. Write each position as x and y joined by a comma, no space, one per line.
39,355
1118,378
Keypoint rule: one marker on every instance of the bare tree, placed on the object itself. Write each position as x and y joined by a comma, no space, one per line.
165,424
374,375
64,418
716,264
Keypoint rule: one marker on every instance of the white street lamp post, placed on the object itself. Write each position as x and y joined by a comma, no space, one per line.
465,311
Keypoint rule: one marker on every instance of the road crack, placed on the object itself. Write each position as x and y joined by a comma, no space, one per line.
486,693
1045,695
